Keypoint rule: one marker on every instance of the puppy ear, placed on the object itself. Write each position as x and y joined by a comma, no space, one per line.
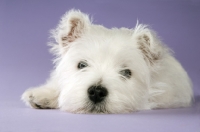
149,44
73,25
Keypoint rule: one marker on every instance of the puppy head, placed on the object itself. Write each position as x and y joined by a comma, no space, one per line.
102,70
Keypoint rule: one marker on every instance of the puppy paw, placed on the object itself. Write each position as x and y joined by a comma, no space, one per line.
39,99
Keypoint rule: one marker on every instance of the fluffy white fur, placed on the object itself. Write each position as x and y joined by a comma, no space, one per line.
157,79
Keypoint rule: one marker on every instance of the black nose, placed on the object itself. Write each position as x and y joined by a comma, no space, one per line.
97,93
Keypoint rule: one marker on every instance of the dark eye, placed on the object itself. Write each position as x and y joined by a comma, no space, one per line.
127,73
82,65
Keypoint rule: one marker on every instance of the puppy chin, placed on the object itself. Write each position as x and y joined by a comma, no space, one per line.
87,108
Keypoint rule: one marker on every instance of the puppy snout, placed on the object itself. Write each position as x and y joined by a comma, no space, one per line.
97,93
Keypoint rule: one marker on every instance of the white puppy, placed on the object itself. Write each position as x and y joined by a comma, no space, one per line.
100,70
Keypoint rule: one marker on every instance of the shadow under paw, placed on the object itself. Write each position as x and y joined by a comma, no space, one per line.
44,104
39,106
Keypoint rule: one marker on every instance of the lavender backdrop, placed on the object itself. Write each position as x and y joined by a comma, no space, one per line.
25,61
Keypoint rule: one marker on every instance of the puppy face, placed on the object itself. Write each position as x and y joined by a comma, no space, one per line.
102,70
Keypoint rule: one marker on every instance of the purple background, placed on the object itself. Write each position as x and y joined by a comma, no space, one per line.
25,61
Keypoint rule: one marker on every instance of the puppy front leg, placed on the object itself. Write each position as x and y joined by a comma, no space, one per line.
42,97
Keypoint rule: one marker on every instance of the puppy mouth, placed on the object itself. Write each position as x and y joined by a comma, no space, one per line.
99,108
